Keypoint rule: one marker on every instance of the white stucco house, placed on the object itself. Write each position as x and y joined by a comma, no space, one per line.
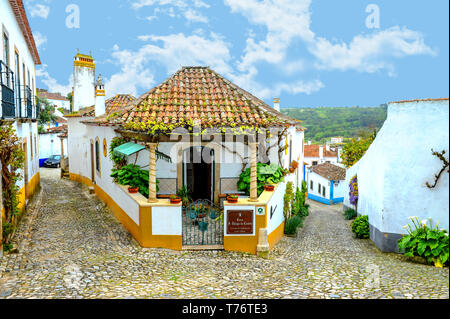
18,60
393,173
318,154
208,156
326,183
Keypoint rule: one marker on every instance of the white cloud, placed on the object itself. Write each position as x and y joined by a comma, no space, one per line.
39,39
39,10
289,20
194,16
51,83
370,53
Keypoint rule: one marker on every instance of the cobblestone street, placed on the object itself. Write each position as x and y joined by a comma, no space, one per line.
71,246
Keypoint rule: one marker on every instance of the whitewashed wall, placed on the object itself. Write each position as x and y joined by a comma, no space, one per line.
9,23
78,143
276,205
317,179
23,131
393,172
50,144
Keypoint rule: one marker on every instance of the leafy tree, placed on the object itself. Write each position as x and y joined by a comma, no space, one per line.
70,98
46,111
356,148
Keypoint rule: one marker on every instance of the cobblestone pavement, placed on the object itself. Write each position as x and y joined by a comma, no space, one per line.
70,246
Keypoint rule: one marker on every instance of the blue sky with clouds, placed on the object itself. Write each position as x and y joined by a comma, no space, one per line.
307,52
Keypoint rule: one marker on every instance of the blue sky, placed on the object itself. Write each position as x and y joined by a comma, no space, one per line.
307,52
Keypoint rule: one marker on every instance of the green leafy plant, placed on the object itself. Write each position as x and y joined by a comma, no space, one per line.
360,226
355,150
288,200
12,159
134,176
119,161
185,195
350,214
266,174
292,224
424,240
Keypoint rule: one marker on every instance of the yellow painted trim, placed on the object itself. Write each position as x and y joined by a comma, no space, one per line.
246,244
149,240
276,235
142,232
81,179
84,64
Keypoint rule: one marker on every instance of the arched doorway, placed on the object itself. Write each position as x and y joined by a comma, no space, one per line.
198,172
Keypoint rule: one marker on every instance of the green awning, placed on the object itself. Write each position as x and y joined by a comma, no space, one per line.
128,149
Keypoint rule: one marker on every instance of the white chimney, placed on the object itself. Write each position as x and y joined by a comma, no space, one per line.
321,151
327,147
100,107
276,104
309,142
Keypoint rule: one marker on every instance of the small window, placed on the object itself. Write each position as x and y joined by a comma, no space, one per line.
97,156
6,48
320,188
324,190
311,186
314,163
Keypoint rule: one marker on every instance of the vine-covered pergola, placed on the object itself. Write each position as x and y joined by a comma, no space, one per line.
195,104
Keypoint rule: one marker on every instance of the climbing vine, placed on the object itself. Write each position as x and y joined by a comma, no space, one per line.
445,166
12,159
354,191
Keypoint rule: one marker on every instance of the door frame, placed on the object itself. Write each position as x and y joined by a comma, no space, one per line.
215,170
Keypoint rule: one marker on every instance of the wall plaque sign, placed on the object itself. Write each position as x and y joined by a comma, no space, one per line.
240,222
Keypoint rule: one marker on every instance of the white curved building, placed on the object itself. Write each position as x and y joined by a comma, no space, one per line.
393,173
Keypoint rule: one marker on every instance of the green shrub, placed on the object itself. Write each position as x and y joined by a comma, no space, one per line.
350,214
292,224
266,174
425,241
360,226
134,176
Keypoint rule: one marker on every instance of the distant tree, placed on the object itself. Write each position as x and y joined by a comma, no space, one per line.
46,111
70,98
357,147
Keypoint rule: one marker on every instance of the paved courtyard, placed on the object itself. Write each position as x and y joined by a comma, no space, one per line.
71,246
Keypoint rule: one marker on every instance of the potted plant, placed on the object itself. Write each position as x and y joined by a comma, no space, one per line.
294,165
201,211
291,170
174,199
232,198
269,187
133,189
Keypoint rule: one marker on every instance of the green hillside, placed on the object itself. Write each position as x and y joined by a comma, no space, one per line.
325,122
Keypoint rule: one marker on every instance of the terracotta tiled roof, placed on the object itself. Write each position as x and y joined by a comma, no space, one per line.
330,171
58,129
22,21
51,96
421,100
200,95
313,151
114,104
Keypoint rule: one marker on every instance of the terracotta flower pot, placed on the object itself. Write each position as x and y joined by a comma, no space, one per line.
232,199
133,190
175,200
291,169
269,188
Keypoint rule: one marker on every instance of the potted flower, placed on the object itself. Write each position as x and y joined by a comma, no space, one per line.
174,199
133,189
232,198
269,187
